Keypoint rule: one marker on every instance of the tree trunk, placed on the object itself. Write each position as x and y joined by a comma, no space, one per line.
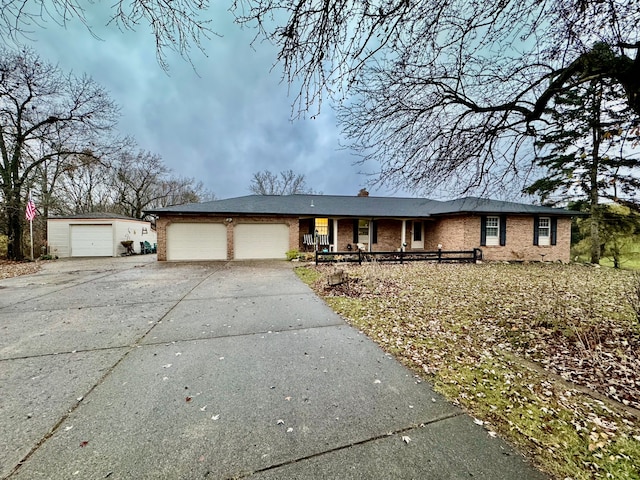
14,224
594,197
595,232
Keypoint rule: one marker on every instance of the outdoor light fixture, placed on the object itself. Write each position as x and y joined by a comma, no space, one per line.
228,220
144,230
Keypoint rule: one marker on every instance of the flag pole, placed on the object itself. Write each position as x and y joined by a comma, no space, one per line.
30,212
31,235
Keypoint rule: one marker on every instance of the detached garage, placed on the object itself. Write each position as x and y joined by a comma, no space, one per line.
96,235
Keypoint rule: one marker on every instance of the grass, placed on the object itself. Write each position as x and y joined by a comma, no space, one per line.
629,260
545,355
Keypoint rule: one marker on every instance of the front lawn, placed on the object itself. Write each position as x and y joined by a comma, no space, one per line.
545,355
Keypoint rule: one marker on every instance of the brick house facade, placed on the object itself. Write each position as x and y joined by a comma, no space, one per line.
502,230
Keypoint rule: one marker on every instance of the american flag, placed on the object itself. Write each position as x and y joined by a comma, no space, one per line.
31,210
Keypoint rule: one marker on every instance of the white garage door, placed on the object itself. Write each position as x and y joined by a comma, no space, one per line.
91,241
196,241
266,240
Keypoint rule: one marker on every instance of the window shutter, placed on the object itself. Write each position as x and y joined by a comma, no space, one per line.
554,230
503,230
536,222
483,231
355,230
331,239
374,231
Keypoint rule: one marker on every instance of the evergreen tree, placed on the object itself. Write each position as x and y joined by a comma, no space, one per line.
589,152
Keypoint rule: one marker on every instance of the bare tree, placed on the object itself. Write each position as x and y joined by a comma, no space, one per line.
285,183
176,25
142,181
40,107
81,187
432,88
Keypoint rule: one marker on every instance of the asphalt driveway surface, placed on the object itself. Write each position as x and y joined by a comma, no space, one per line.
132,369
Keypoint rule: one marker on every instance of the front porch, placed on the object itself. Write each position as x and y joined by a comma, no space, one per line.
369,235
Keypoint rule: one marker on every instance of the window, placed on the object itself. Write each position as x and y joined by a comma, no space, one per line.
544,231
322,226
493,230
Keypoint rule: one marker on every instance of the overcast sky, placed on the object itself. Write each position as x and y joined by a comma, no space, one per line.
221,123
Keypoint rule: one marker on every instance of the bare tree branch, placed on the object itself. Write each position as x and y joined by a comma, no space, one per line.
176,25
286,183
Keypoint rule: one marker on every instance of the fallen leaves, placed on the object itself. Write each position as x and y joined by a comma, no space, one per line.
10,269
517,345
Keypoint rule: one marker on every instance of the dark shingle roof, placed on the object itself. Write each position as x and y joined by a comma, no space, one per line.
345,206
487,206
94,215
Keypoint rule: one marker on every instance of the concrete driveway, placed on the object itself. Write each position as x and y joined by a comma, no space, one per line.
127,368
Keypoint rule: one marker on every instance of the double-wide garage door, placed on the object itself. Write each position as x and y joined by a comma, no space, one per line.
208,241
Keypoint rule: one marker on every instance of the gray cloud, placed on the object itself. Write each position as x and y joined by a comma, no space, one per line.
219,123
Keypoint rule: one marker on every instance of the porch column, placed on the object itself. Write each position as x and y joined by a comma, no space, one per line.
335,235
403,235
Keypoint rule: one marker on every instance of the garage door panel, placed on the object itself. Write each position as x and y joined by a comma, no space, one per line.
91,240
196,241
261,241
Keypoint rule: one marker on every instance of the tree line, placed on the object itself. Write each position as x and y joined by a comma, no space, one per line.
58,145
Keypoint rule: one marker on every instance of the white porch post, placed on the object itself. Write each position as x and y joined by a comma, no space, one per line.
403,235
335,235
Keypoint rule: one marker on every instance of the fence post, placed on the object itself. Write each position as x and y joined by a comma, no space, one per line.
402,257
439,254
359,257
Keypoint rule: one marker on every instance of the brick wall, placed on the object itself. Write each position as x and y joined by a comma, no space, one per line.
164,221
389,236
463,233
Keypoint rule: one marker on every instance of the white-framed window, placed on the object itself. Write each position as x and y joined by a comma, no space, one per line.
544,231
493,230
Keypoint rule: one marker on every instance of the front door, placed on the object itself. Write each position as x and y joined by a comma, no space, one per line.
363,233
417,235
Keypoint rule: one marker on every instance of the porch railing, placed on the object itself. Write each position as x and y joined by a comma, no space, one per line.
438,256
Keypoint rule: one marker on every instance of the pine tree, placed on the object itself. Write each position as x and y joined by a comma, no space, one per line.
589,152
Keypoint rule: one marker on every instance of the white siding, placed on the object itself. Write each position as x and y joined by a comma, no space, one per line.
255,240
58,238
132,230
196,241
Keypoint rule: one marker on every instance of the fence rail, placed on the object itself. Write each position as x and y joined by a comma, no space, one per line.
438,256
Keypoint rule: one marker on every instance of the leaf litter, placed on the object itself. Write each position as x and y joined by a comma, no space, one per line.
546,355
